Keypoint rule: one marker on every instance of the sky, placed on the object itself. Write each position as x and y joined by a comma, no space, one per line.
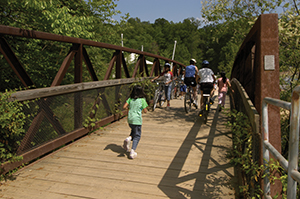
150,10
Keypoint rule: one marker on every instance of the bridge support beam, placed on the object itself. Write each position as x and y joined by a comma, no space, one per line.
155,68
256,67
268,80
14,63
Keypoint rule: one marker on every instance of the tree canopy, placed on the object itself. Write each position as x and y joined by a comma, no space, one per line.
217,38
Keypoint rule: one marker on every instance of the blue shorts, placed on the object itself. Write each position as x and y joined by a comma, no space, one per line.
183,88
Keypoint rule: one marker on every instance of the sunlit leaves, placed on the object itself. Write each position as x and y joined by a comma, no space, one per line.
70,18
231,10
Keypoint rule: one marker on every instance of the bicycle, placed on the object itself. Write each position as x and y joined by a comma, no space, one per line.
173,89
159,95
207,102
188,100
176,90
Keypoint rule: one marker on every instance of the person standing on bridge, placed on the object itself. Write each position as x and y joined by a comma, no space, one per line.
223,83
136,104
168,78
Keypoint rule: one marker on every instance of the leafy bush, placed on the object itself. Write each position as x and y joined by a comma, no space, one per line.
12,119
242,153
149,88
241,156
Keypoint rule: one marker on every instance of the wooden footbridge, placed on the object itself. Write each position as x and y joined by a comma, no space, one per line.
178,157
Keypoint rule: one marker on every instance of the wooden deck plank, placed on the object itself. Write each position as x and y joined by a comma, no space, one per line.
178,157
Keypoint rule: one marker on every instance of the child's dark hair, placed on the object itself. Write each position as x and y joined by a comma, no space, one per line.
137,92
223,75
167,66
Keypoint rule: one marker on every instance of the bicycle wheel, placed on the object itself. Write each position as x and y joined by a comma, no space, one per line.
207,106
155,99
178,91
161,98
187,102
173,93
206,109
205,117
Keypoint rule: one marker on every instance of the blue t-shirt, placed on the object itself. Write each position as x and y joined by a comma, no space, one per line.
190,71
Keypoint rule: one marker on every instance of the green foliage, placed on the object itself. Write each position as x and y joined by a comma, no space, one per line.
276,173
70,18
232,10
41,59
12,120
242,156
289,36
148,86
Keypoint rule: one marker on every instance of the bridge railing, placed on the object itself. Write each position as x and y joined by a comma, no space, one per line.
78,52
240,101
290,165
256,67
61,114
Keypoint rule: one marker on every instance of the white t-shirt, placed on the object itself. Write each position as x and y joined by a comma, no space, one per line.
205,75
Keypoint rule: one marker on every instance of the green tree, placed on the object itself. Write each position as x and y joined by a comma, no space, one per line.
233,20
289,29
90,19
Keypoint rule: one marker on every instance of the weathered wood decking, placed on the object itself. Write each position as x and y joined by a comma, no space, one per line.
178,157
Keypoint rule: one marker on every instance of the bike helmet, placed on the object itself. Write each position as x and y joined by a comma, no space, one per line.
167,64
205,62
193,61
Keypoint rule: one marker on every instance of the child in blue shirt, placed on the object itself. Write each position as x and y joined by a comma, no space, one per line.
136,104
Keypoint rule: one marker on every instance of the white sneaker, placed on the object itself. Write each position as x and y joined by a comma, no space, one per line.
196,104
133,154
126,144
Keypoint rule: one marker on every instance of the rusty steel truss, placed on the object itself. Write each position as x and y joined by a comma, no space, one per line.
77,91
256,67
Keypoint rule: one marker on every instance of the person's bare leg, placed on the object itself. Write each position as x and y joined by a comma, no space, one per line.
195,93
201,100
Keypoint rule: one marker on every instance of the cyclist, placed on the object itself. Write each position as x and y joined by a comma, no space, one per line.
207,79
190,78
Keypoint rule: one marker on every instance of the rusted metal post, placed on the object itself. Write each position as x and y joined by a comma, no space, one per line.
111,65
78,102
125,66
89,65
257,68
142,65
155,68
146,67
14,63
136,67
64,67
267,79
119,64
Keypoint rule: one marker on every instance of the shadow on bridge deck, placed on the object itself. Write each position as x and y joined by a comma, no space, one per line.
178,157
208,143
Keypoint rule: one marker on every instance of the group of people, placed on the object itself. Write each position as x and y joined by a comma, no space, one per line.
192,77
137,104
206,78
